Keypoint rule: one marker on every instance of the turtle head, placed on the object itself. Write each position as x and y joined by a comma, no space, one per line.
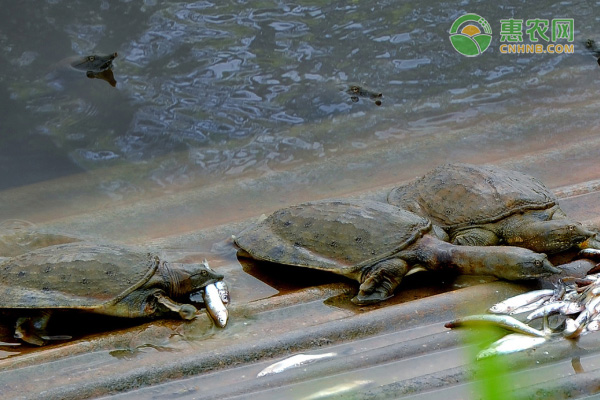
551,236
527,264
187,278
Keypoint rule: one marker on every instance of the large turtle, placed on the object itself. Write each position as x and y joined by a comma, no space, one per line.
376,244
481,205
103,279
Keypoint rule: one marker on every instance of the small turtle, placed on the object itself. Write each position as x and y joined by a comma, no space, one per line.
356,91
376,244
95,66
100,279
481,206
593,49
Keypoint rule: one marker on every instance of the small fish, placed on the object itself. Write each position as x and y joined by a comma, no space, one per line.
337,390
572,329
223,291
590,253
592,305
214,305
510,343
9,344
593,326
529,307
504,321
508,305
293,362
562,307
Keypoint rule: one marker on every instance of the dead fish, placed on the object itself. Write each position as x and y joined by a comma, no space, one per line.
510,304
223,291
572,328
529,307
337,390
590,253
510,343
562,307
592,305
293,362
214,305
504,321
593,326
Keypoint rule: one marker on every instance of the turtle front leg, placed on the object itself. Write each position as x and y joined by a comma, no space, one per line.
380,281
186,311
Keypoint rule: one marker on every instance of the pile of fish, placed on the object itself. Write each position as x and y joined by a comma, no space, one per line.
568,311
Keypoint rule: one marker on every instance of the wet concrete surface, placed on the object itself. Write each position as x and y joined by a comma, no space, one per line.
397,348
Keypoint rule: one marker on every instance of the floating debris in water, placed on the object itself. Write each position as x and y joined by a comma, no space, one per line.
293,362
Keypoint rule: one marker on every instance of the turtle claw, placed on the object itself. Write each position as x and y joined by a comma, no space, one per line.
381,281
375,297
185,311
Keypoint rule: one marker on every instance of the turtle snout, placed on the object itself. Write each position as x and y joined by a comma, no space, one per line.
546,267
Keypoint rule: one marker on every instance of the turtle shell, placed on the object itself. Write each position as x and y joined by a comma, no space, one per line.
460,195
73,275
337,236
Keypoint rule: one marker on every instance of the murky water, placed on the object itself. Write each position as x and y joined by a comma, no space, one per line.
223,88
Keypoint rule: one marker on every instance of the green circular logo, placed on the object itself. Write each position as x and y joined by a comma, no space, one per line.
470,35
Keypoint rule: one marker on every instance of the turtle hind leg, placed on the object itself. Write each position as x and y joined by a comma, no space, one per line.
476,237
380,281
32,329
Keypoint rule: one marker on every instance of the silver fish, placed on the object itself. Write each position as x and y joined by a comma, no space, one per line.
223,291
593,326
563,307
572,328
510,304
292,362
504,321
529,307
592,305
511,343
337,390
214,305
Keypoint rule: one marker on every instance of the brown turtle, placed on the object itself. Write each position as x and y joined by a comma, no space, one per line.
485,205
94,66
356,91
376,244
103,279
